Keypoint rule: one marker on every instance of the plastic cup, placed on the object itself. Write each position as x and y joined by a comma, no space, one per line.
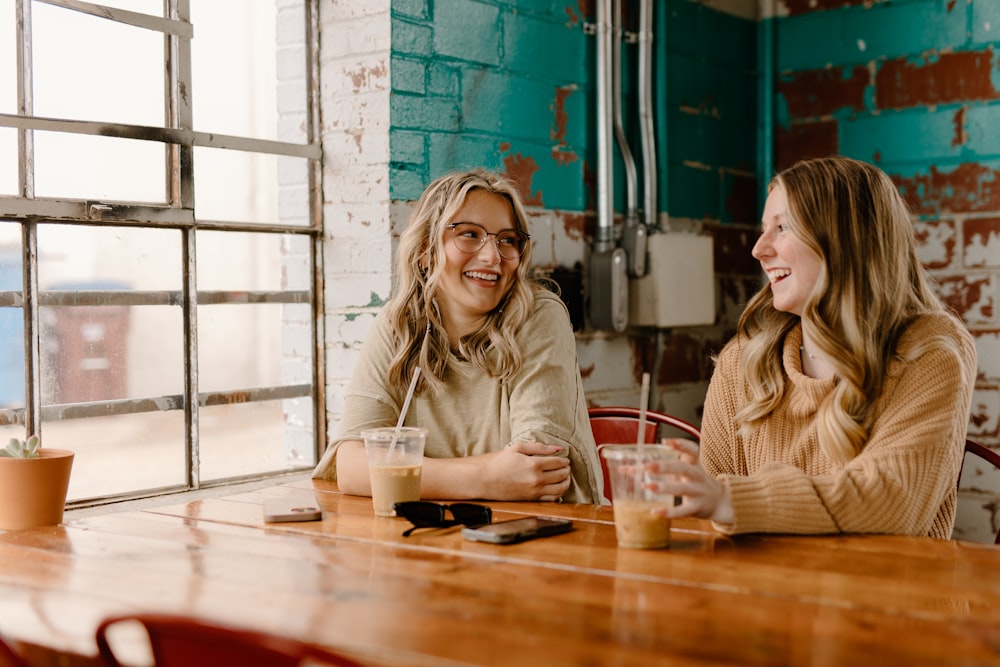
636,498
394,465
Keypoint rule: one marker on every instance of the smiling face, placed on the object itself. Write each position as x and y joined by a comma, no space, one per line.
474,284
791,266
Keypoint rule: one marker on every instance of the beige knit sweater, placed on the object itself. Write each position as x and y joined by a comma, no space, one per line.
903,481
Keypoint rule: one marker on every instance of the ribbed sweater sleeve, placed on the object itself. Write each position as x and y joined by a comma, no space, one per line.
904,480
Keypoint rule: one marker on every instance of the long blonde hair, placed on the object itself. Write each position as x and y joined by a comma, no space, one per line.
870,288
418,330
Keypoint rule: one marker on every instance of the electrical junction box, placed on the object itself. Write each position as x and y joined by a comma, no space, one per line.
679,286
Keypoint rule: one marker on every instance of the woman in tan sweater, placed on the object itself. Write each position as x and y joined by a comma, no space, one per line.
842,402
500,389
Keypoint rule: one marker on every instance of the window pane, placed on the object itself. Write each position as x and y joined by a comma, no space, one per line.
247,261
235,70
8,57
239,346
109,351
11,322
90,167
243,187
8,161
89,68
254,438
121,454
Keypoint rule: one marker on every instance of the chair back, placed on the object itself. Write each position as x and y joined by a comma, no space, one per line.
182,641
620,426
988,455
9,657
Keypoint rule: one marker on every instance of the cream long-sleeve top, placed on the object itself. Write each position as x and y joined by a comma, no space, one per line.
904,481
475,413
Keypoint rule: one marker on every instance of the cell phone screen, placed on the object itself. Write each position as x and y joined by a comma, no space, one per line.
517,530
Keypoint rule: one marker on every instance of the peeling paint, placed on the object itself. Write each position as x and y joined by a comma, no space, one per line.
558,134
982,243
563,158
968,188
969,296
821,92
587,371
796,7
936,243
945,78
574,225
522,170
961,136
362,76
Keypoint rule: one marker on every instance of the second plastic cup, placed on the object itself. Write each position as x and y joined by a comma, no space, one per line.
394,465
635,494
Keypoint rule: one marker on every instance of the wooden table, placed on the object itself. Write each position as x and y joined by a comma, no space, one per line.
352,582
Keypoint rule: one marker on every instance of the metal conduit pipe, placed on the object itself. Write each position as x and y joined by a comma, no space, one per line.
607,278
631,199
633,231
605,171
648,131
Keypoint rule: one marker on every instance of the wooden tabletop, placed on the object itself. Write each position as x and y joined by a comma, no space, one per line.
353,583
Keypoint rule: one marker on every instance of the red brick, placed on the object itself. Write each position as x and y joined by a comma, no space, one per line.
969,188
522,170
741,203
731,246
805,140
980,241
951,77
970,296
937,240
817,93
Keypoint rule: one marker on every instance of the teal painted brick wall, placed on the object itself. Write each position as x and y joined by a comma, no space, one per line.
510,85
506,85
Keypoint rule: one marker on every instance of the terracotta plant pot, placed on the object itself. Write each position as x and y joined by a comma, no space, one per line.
33,491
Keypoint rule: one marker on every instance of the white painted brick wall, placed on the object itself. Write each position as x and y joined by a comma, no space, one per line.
357,238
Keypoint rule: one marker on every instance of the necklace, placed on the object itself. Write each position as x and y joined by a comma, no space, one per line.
802,350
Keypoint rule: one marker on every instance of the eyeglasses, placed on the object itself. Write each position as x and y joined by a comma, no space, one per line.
470,237
423,514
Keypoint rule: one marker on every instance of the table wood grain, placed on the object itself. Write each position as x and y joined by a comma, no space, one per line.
352,582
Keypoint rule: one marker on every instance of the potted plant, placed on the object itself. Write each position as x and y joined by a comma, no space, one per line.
33,484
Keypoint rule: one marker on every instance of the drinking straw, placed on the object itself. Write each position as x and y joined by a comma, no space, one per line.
643,403
402,413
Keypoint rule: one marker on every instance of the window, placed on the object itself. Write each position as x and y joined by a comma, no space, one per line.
160,239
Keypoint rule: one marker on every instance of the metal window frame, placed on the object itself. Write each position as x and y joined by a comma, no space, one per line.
178,212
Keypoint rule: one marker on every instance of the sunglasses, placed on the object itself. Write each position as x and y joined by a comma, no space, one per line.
423,514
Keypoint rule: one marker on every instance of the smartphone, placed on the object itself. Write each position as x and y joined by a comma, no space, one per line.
279,510
517,530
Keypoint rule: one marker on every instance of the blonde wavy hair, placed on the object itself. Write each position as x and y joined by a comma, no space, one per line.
419,335
870,288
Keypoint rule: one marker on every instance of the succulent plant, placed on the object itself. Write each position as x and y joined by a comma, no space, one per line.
22,449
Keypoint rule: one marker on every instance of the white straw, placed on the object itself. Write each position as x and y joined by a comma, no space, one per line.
643,403
406,406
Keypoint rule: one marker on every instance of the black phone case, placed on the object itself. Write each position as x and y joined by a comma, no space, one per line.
497,533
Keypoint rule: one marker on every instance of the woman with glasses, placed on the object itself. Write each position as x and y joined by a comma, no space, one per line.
499,387
842,403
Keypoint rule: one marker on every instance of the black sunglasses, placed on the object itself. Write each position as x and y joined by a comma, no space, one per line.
423,514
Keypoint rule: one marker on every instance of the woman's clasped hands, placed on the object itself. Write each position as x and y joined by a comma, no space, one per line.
527,470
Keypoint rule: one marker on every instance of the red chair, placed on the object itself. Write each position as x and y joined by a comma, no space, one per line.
987,455
182,641
9,657
620,425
